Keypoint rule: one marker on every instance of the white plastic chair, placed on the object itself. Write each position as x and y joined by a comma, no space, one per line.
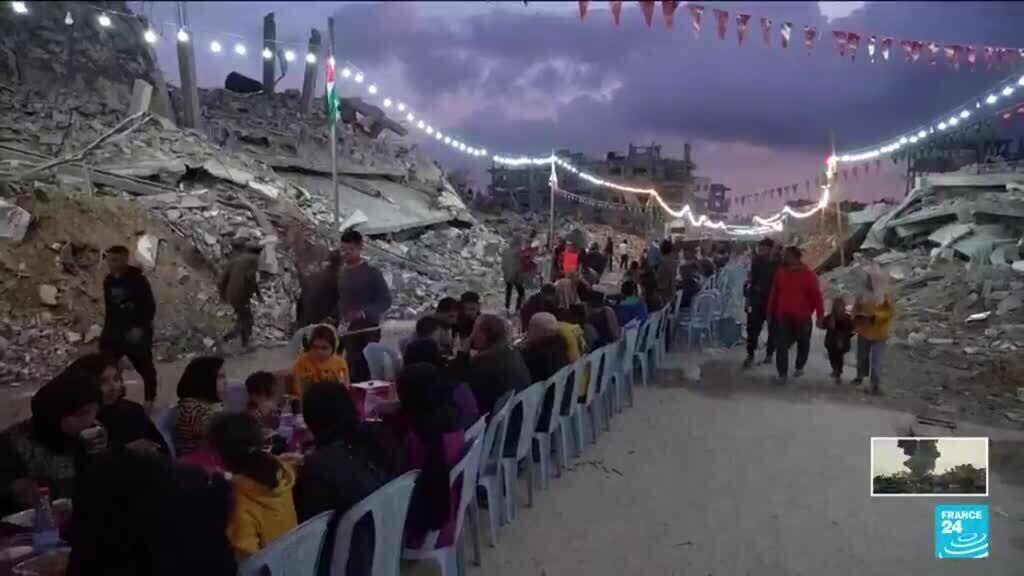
528,402
293,554
622,387
612,375
570,419
383,361
699,323
165,424
449,558
489,477
387,506
595,361
545,435
640,350
476,429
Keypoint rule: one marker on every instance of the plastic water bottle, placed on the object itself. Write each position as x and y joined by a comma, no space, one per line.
44,525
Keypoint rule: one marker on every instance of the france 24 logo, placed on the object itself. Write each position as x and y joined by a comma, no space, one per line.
961,531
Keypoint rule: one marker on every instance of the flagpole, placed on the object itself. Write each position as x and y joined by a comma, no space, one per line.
552,181
334,149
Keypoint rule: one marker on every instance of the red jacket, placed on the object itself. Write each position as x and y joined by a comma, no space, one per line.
795,294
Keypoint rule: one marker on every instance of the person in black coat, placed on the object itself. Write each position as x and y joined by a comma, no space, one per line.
127,425
545,353
128,323
496,368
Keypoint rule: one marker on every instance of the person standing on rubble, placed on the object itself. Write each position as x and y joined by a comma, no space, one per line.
609,253
128,322
512,270
795,296
238,283
623,255
759,287
318,302
364,298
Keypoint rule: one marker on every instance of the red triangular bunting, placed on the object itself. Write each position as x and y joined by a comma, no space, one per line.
886,47
786,28
766,30
908,49
810,35
616,7
841,41
647,6
915,50
933,53
853,43
722,19
696,14
668,10
741,27
583,9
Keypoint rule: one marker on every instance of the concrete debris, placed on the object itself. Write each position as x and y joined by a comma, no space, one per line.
93,334
48,295
72,337
147,248
14,221
978,317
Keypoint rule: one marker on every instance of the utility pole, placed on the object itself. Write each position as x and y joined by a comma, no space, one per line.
187,71
269,64
309,79
839,212
553,182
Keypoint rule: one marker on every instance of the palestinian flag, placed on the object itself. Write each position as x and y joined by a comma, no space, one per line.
331,101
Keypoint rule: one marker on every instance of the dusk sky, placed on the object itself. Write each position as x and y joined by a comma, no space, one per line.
520,79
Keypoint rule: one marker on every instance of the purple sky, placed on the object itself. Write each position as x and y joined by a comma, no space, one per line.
524,80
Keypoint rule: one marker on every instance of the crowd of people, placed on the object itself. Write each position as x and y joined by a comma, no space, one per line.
250,476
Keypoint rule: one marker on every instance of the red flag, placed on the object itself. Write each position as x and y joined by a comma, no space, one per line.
810,35
933,53
915,50
741,27
583,9
842,40
668,10
853,43
696,13
872,40
787,29
722,19
766,30
972,57
953,55
908,48
616,6
647,6
886,47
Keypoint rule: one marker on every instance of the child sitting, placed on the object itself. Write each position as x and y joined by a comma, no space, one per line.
265,395
838,332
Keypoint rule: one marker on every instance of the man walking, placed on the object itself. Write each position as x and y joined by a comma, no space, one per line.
128,322
623,255
609,253
759,287
512,270
237,285
795,296
365,297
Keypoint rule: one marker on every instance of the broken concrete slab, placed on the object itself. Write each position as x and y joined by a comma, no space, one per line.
14,221
147,248
1009,304
48,294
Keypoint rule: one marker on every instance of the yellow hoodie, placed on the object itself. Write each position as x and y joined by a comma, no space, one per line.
879,315
261,514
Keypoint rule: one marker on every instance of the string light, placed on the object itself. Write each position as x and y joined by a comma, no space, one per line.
267,54
991,99
401,107
19,7
240,49
104,20
359,78
310,58
387,102
149,36
68,20
289,56
215,47
1008,90
345,72
182,35
372,88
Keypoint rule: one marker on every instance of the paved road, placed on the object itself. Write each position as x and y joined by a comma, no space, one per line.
736,478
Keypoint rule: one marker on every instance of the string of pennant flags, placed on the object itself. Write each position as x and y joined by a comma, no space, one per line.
847,43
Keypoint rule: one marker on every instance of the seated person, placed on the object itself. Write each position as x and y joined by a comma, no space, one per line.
426,351
447,313
200,392
262,484
319,362
433,444
126,422
427,328
545,353
630,308
265,397
45,450
340,472
546,300
469,310
602,317
496,368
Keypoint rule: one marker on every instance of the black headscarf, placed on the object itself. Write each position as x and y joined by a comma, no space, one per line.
61,397
199,380
427,404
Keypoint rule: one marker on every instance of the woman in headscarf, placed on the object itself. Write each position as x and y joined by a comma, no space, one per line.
126,422
200,392
872,314
428,352
433,444
46,450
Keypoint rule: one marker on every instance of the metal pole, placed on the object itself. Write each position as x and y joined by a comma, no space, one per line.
334,146
839,211
551,214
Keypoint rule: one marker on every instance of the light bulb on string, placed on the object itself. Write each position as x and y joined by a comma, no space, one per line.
240,49
372,88
359,78
267,54
19,7
289,56
104,20
1008,90
387,102
965,114
429,129
1020,82
409,117
68,20
401,107
182,35
438,135
215,47
346,72
310,58
991,99
149,36
420,124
